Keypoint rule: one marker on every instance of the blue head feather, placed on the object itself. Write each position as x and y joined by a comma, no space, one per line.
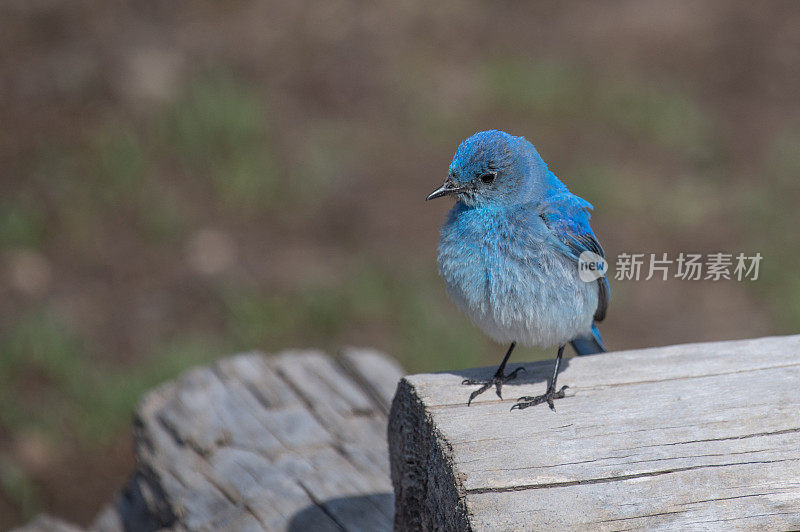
496,169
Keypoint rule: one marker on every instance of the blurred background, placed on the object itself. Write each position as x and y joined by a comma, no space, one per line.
182,181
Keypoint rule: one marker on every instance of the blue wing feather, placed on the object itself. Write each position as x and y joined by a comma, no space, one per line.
567,216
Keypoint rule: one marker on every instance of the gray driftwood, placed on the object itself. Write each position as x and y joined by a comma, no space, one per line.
291,442
687,437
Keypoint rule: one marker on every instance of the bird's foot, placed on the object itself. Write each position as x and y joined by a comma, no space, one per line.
548,397
497,381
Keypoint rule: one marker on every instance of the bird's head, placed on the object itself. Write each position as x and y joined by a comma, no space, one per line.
493,168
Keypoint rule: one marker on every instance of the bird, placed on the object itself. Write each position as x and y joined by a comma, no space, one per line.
518,256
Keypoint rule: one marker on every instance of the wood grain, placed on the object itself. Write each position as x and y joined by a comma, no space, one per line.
682,437
291,442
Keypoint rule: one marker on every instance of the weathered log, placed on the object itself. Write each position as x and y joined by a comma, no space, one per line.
291,442
700,436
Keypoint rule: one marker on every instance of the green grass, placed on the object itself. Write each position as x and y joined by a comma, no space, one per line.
214,134
16,485
318,312
22,223
41,361
61,170
50,383
647,112
783,161
218,130
119,163
677,206
662,116
107,399
767,215
433,337
542,87
325,158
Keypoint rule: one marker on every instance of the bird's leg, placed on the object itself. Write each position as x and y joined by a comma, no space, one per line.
549,395
497,380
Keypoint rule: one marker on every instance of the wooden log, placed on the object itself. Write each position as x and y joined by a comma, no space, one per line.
700,436
291,442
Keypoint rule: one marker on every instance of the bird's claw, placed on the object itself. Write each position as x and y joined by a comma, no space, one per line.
497,381
548,397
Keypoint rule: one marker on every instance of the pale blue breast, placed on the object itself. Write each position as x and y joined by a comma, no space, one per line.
503,270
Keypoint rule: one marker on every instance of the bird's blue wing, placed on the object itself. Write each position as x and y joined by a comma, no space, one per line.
567,217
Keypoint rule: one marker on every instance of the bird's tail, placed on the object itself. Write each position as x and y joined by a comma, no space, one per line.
589,344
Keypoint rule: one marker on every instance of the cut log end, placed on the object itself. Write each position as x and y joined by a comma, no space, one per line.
422,476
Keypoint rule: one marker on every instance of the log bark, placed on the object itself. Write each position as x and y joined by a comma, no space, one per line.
700,436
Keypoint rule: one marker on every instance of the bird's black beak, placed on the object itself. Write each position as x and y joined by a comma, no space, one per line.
445,190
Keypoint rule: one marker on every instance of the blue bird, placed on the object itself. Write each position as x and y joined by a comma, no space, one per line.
510,253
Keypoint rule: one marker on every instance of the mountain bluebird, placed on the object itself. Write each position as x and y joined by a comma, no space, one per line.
510,253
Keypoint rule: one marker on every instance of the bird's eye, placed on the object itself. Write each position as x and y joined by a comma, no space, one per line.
488,177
